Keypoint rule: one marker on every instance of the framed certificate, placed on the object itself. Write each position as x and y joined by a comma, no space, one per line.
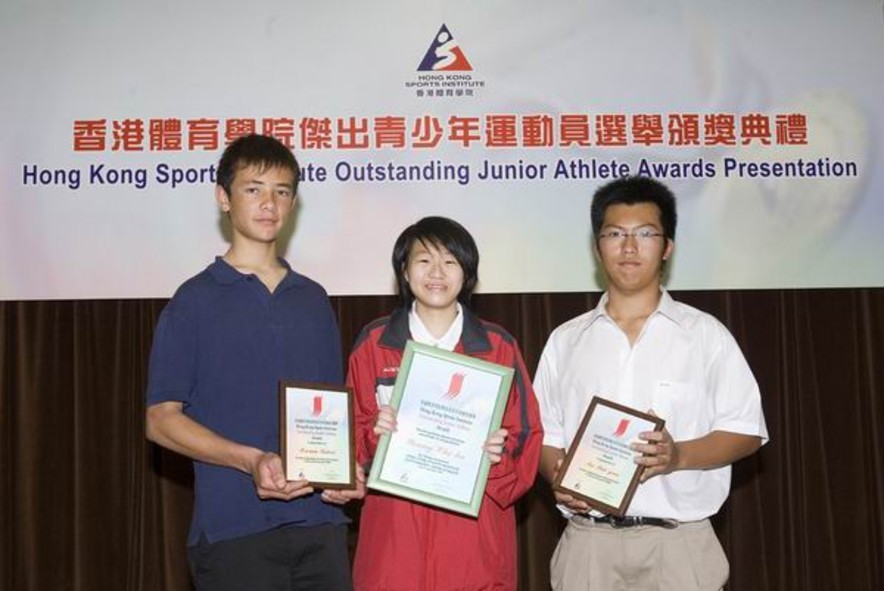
447,405
316,434
599,467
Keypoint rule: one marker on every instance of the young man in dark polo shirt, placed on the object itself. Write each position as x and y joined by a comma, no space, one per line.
221,346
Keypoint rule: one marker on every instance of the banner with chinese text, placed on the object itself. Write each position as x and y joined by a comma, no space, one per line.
764,118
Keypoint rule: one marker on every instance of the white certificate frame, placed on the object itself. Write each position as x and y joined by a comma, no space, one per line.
447,406
317,434
599,467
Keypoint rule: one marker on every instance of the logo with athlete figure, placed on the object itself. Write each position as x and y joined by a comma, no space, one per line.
444,55
445,73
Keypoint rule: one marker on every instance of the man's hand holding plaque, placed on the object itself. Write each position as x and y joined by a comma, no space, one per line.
317,438
600,469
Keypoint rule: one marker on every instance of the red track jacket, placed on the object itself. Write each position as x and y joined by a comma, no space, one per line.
407,546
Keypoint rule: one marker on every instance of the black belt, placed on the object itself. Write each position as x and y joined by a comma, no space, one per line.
619,522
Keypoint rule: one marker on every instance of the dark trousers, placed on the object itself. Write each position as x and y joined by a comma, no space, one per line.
284,559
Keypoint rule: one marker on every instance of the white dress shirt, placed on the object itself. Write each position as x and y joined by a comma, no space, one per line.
684,365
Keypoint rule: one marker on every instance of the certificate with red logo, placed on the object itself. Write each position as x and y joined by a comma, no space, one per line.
316,434
447,405
599,467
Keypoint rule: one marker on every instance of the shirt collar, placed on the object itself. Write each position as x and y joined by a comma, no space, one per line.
473,337
669,309
666,307
421,334
225,274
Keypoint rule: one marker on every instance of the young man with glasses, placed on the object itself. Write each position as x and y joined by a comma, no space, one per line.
644,350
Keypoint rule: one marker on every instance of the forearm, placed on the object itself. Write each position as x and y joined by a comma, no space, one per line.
717,449
168,426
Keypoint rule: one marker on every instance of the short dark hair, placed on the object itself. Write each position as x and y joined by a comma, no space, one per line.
444,233
262,151
630,191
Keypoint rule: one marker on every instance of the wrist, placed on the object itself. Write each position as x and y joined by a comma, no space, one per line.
248,460
678,456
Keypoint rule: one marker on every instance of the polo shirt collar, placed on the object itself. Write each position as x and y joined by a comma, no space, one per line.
225,274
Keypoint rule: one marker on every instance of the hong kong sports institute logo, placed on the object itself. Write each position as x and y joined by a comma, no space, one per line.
445,55
445,71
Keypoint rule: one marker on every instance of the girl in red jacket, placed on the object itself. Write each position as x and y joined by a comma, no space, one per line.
405,545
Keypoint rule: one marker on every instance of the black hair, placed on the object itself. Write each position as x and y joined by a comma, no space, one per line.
262,151
630,191
444,233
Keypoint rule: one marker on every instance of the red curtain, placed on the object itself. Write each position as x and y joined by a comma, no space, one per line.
87,504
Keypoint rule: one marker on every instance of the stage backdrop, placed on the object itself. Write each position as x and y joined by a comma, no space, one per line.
765,118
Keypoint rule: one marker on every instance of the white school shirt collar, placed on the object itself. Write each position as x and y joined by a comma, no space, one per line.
421,334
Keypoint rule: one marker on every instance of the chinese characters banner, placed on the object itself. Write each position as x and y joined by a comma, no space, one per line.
764,120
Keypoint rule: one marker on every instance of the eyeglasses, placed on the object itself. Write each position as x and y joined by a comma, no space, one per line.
620,236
